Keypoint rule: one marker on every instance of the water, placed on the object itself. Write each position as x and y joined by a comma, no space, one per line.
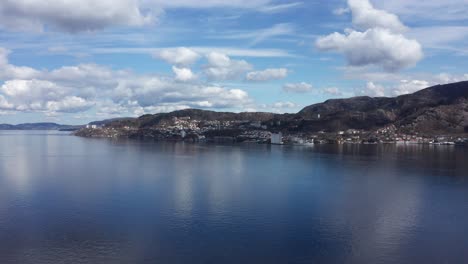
65,199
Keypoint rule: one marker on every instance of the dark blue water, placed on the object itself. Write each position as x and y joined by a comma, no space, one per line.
65,199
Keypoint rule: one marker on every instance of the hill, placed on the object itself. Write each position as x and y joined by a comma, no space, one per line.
438,109
38,126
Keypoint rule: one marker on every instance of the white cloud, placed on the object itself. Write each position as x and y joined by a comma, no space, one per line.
267,75
410,86
443,78
365,17
76,89
375,46
69,104
90,15
216,59
282,105
221,67
155,91
276,107
31,90
41,96
297,87
179,56
9,71
394,84
373,90
380,43
183,74
83,72
71,15
332,91
4,104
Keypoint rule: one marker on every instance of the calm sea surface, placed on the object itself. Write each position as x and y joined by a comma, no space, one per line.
65,199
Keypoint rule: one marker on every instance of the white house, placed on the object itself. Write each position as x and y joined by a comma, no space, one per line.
277,138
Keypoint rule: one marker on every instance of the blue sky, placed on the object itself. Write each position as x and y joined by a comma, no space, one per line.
83,60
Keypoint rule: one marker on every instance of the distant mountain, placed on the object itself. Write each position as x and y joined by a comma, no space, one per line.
38,126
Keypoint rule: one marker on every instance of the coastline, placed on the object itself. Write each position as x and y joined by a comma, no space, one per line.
288,140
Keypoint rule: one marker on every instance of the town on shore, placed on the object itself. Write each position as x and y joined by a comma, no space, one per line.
436,115
243,131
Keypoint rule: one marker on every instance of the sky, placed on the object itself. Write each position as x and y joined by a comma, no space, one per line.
78,61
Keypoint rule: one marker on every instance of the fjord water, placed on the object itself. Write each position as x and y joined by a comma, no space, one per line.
65,199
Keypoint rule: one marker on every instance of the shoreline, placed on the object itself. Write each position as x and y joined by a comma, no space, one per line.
233,142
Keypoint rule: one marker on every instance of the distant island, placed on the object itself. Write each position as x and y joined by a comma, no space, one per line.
39,126
435,115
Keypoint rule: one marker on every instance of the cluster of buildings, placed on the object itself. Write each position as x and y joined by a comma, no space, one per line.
187,129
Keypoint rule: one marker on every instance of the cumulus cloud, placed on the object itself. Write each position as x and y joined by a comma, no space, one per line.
374,90
76,89
220,67
32,90
297,87
4,104
414,85
71,15
381,42
40,95
365,16
69,104
9,71
155,91
267,75
183,74
410,86
375,46
179,56
399,84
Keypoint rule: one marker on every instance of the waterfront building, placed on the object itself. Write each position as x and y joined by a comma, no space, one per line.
277,138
